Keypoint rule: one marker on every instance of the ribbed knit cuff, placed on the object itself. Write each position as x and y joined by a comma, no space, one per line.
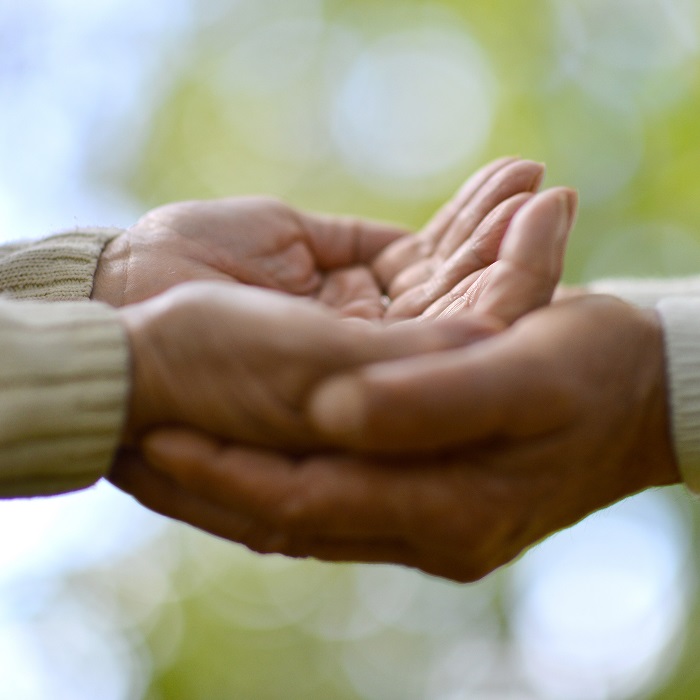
57,268
681,322
63,393
646,292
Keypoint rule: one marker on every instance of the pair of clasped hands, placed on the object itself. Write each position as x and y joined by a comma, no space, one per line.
341,389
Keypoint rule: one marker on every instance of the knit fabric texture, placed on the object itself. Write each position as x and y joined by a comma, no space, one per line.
63,366
57,268
681,321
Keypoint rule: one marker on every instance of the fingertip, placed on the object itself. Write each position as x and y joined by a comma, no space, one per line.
548,216
336,408
527,175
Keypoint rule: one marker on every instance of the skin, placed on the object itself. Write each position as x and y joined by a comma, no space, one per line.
240,362
346,263
282,355
254,241
512,438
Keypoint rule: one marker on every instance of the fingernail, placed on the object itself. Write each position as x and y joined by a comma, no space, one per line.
571,205
538,178
336,407
566,202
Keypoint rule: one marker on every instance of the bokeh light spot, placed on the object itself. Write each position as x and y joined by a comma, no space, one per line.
414,106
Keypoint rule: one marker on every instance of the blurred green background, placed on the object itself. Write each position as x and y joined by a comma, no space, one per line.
109,107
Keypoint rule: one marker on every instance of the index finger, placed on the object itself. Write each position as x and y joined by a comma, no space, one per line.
505,386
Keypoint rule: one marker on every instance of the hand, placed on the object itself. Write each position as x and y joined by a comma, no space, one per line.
239,362
540,226
346,263
523,434
455,257
255,241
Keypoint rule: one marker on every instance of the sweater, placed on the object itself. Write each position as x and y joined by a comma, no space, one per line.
63,367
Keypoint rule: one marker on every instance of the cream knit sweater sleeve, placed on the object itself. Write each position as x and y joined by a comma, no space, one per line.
647,292
57,268
681,321
63,367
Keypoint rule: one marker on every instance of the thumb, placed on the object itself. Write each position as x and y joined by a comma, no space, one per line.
418,403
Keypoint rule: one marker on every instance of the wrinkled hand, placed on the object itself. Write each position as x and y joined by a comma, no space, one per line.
461,255
256,241
347,263
528,431
508,244
239,362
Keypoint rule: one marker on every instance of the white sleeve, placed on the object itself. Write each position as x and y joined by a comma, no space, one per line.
646,292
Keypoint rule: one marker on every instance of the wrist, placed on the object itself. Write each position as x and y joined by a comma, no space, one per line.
657,453
139,320
109,284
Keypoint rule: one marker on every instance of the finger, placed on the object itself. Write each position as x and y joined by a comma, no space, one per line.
536,239
409,339
331,507
503,386
414,249
332,345
443,220
366,551
324,341
478,252
159,493
339,241
156,490
324,497
513,179
531,258
530,265
180,453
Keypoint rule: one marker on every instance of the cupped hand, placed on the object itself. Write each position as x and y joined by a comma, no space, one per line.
239,362
460,242
521,435
347,263
255,241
